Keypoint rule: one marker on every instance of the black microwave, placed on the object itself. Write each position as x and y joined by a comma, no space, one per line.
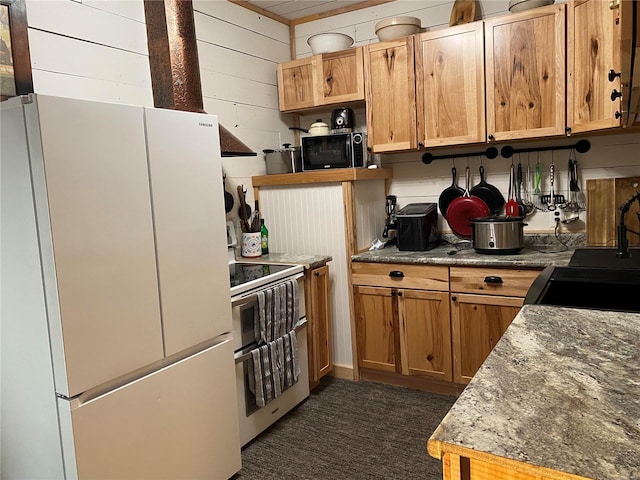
340,150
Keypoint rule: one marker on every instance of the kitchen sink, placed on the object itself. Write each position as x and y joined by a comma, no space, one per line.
605,258
594,278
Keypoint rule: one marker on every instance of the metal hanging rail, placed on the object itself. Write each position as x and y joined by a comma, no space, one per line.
490,153
582,146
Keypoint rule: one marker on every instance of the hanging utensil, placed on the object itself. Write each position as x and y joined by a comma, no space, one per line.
463,209
536,191
528,202
579,194
489,194
450,193
553,200
511,208
228,198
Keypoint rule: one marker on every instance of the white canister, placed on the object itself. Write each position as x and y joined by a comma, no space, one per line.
251,244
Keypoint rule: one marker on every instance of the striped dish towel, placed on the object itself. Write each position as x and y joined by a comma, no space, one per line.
277,312
275,368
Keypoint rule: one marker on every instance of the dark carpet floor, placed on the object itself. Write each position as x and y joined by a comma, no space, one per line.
348,431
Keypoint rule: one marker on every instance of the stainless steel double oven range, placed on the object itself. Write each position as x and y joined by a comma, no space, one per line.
247,279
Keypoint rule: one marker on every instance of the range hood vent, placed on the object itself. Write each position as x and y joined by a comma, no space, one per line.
175,70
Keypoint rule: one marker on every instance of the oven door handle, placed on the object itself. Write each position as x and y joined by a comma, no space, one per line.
249,296
243,357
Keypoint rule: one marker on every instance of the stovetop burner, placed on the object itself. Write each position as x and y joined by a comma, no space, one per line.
249,276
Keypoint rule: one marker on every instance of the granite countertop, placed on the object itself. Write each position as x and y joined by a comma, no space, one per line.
534,256
560,390
307,261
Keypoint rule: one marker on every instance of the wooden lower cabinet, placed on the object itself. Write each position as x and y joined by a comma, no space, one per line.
477,323
484,302
432,322
403,331
317,309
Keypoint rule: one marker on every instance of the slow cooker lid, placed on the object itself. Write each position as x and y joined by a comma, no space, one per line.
497,219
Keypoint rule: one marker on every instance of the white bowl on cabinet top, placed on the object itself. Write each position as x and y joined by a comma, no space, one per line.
329,42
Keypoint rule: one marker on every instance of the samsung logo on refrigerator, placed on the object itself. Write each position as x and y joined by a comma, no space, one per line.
201,124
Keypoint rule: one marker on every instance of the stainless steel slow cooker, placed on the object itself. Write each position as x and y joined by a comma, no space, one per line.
498,235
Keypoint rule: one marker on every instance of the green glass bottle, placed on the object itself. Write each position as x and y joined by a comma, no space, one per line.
265,237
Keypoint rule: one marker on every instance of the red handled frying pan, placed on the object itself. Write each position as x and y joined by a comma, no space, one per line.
449,194
465,208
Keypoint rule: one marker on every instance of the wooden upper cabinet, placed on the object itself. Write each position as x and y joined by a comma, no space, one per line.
295,85
327,79
390,95
525,74
598,37
339,76
450,86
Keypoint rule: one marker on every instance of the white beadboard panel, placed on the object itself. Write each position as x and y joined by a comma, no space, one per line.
369,211
236,64
240,90
133,9
56,53
310,220
84,22
247,19
234,37
62,85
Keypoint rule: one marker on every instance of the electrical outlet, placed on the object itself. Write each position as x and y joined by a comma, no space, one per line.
554,217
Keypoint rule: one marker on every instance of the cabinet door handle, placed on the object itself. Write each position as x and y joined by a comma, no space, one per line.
613,74
615,94
399,294
396,274
493,279
316,274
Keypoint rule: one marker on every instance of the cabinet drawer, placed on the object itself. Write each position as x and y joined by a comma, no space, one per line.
492,281
422,277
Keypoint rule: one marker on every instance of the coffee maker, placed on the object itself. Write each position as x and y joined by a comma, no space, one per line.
391,223
342,120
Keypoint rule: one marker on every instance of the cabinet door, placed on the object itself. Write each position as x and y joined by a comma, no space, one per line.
295,84
339,76
425,333
594,31
450,86
478,322
321,324
376,326
525,55
390,95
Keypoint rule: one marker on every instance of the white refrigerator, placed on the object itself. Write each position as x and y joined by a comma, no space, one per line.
115,307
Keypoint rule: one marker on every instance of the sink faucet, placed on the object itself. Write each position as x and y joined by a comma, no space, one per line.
623,242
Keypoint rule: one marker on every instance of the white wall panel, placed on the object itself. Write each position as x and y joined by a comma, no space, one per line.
241,90
243,17
221,33
75,58
88,23
132,9
217,59
310,220
61,85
